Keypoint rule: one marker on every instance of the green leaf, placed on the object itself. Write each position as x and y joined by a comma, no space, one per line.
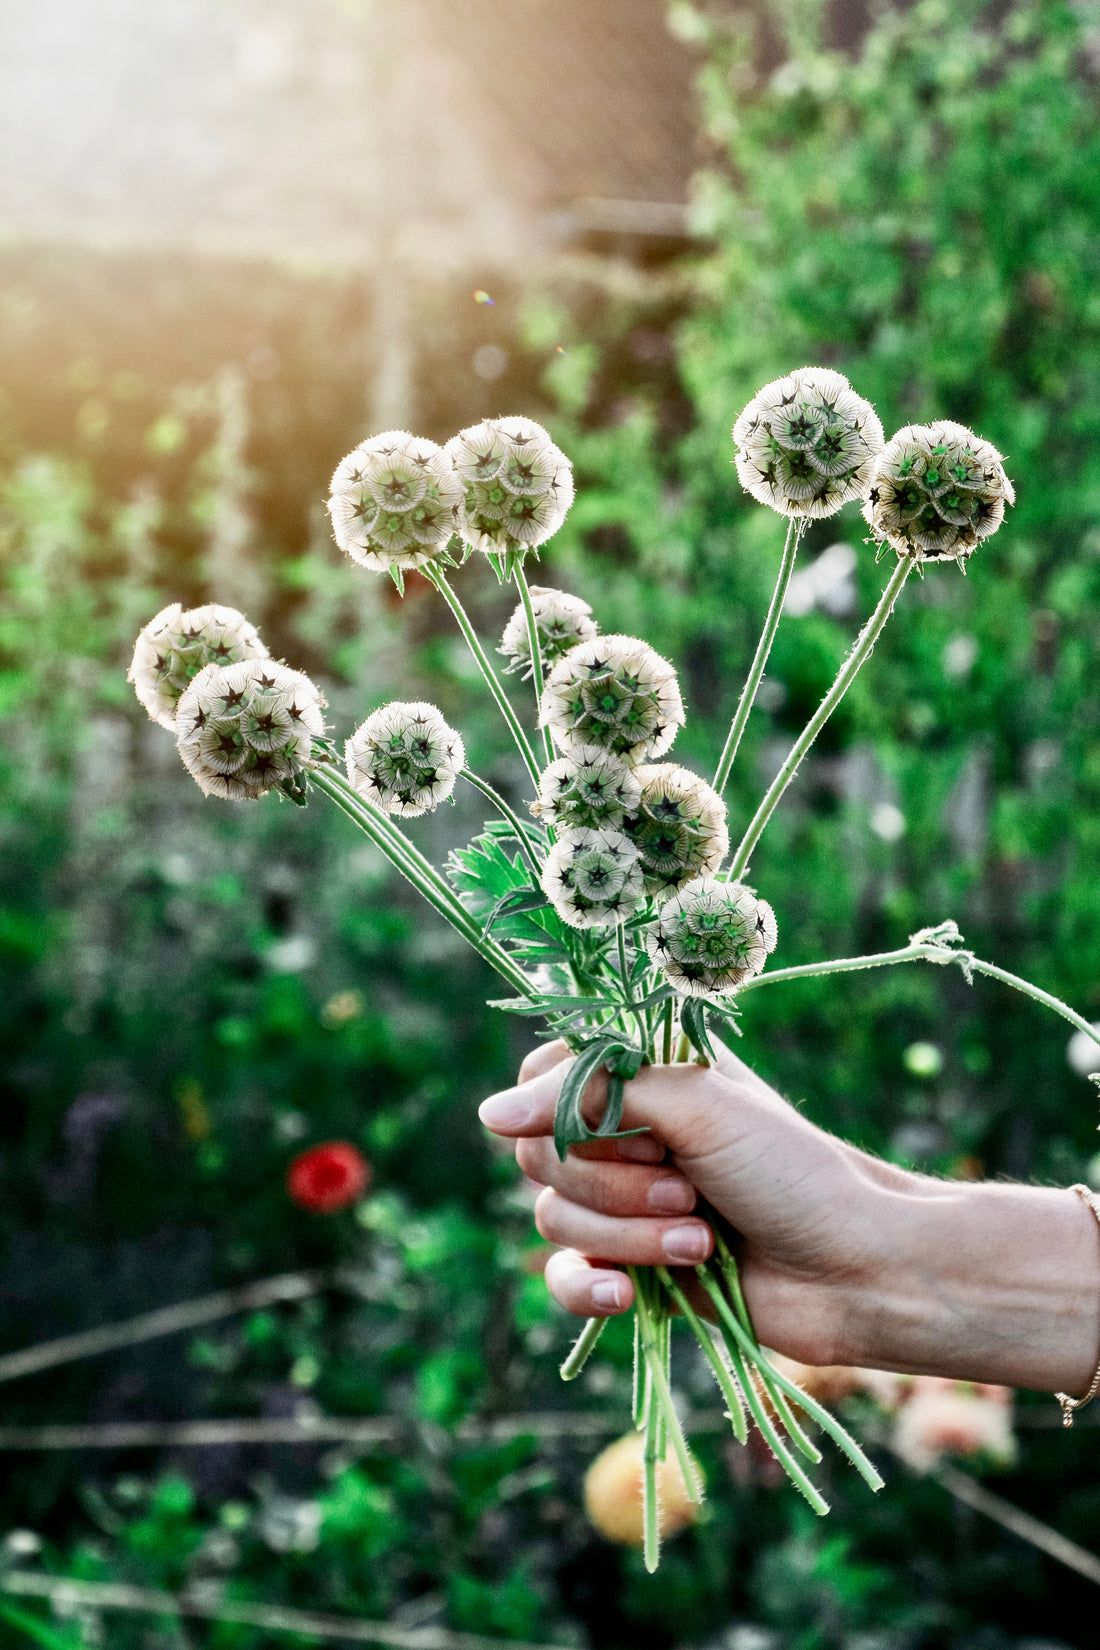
693,1023
514,904
38,1631
623,1059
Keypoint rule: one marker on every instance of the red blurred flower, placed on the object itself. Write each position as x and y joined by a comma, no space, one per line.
328,1177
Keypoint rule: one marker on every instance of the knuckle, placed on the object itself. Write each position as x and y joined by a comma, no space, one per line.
548,1214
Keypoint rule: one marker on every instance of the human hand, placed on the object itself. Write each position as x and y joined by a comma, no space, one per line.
804,1203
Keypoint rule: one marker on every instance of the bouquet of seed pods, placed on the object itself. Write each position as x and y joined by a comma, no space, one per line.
608,899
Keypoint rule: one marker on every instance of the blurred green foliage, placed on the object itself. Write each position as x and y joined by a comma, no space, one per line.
189,993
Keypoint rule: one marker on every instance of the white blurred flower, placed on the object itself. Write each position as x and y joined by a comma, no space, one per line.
827,584
960,655
290,1526
887,821
923,1059
1083,1052
291,955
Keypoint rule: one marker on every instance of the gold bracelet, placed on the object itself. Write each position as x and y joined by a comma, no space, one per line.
1069,1405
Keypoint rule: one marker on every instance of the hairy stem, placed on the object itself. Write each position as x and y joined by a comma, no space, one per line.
423,876
582,1348
536,652
492,681
726,1384
651,1329
864,643
795,529
506,812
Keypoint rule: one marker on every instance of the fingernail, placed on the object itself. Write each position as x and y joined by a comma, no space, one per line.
506,1111
608,1292
686,1243
671,1195
642,1149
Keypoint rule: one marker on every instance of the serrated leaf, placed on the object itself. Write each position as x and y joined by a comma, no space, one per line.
514,904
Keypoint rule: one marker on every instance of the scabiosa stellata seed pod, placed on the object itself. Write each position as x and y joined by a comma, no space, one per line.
712,936
243,729
679,828
805,443
614,692
517,485
936,491
175,646
394,502
593,878
588,788
405,759
561,620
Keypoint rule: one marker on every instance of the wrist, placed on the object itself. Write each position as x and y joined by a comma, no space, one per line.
985,1282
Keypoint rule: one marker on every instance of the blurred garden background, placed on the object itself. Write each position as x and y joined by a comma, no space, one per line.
236,238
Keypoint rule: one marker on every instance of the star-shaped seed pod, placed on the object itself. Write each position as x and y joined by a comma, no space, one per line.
243,729
712,936
405,759
175,646
679,828
517,485
805,443
936,491
394,502
561,620
593,878
588,788
614,692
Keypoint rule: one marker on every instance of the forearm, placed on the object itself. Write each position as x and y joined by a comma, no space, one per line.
986,1282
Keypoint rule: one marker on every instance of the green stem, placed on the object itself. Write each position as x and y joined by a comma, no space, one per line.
726,1384
506,812
791,1467
582,1348
795,529
1036,992
423,876
670,1014
929,953
731,1276
865,641
828,1423
492,681
536,652
847,965
651,1538
656,1358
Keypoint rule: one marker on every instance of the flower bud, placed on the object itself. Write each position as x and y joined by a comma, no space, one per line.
243,729
394,502
712,936
614,692
586,789
175,646
936,491
805,443
517,486
561,620
593,878
405,759
679,828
